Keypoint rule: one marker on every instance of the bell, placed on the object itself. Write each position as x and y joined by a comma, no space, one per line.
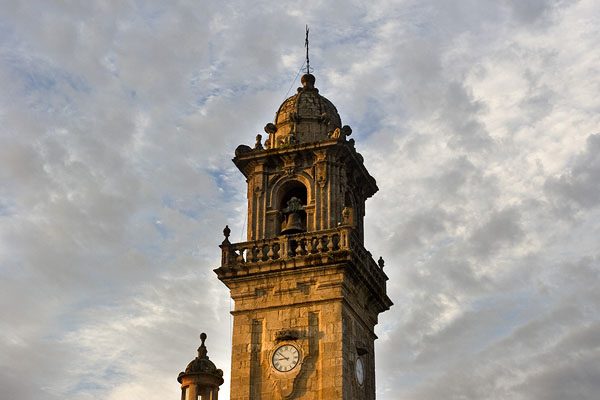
293,224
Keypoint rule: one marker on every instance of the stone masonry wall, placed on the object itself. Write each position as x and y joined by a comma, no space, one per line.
304,310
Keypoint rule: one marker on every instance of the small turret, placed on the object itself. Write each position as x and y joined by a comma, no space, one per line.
201,379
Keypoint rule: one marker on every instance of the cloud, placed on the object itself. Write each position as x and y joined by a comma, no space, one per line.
579,185
502,228
477,118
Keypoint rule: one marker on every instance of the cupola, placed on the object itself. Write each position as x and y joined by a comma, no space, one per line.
201,379
305,117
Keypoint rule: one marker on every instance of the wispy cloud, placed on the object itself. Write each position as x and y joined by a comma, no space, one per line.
479,120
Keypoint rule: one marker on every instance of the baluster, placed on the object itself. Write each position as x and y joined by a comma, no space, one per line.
335,241
328,244
264,249
276,253
299,247
240,256
320,245
313,245
255,251
270,253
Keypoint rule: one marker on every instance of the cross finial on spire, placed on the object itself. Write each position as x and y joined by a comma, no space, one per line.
306,45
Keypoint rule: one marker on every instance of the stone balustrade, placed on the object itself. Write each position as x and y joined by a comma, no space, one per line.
286,247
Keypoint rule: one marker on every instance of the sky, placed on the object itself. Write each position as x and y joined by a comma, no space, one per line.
479,119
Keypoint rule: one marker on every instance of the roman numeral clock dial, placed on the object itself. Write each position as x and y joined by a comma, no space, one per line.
285,358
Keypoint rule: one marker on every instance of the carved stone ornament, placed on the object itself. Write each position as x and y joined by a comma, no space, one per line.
337,133
242,149
341,133
321,174
347,216
226,233
361,349
287,334
258,184
322,180
258,145
320,156
270,128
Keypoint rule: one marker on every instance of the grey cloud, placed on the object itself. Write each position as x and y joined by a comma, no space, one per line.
459,179
501,347
116,182
432,95
459,113
501,229
454,176
573,377
580,185
538,102
530,11
412,232
423,66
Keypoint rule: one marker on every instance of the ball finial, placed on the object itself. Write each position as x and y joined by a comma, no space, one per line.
203,337
308,81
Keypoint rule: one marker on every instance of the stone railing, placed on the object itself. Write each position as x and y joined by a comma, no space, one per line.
284,247
365,258
245,254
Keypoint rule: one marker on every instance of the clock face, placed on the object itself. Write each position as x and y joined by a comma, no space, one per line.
285,358
359,369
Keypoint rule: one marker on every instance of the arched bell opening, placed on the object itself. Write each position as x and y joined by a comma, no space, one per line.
291,207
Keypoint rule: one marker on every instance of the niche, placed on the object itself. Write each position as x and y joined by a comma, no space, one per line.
291,207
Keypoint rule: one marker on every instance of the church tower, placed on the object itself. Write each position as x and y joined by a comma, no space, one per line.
307,293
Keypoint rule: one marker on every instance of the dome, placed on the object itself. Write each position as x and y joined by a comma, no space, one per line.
306,116
201,364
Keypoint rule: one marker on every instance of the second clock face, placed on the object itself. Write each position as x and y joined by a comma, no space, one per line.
360,371
285,358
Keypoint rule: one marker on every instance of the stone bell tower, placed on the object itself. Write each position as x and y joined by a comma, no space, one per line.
307,293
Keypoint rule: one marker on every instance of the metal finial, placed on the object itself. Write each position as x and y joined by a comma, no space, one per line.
306,45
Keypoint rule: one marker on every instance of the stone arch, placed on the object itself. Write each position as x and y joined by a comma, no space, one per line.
286,187
291,188
284,184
